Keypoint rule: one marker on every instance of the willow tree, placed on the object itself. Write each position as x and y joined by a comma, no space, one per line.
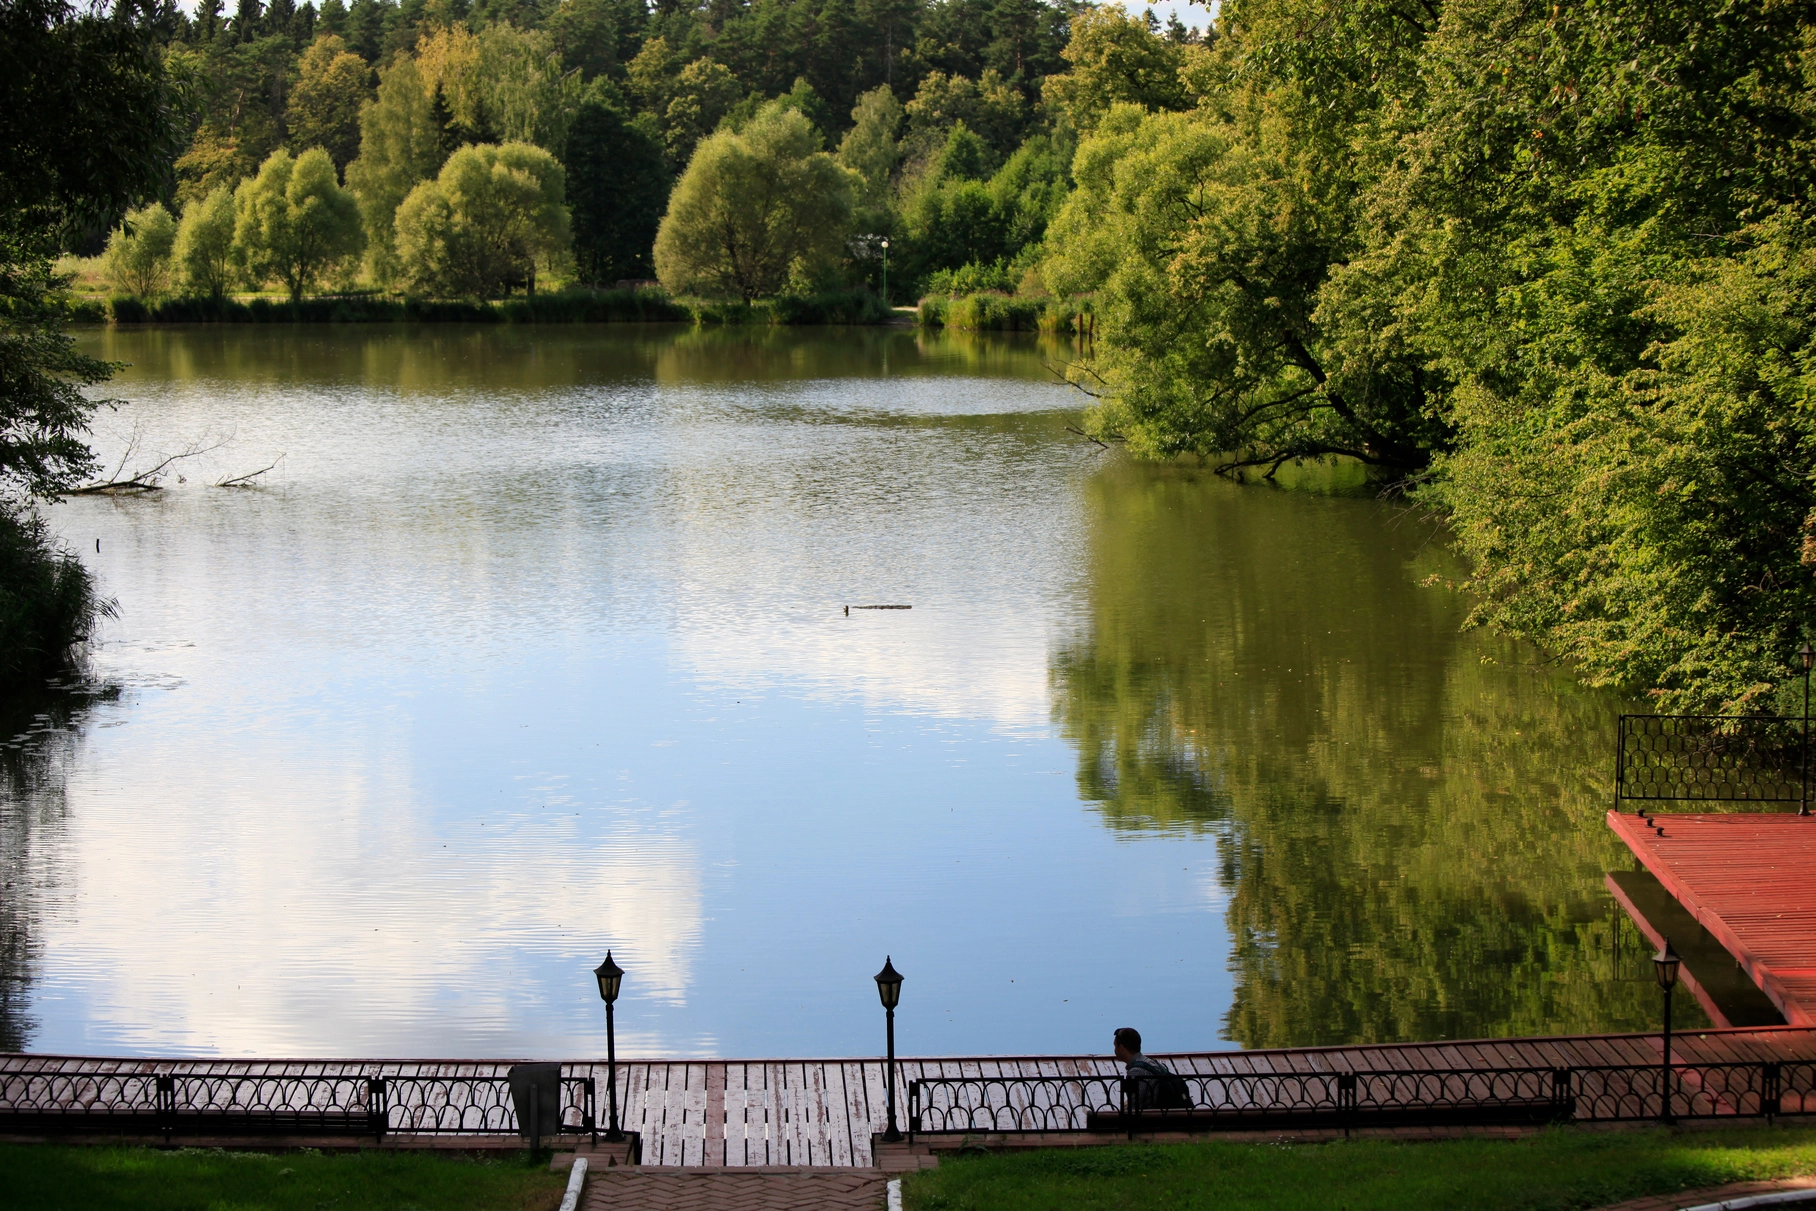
753,208
204,248
294,222
483,225
138,252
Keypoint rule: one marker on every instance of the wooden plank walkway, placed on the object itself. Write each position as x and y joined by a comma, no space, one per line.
1750,880
824,1112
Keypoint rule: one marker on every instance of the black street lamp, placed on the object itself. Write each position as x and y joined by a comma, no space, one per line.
1806,657
610,976
885,271
889,988
1664,966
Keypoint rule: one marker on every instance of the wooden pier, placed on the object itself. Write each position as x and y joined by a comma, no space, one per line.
1750,880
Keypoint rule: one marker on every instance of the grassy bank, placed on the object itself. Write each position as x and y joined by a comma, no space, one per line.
47,600
992,311
558,307
1561,1170
43,1177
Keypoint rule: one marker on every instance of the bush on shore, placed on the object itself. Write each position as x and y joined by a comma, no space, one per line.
47,599
993,311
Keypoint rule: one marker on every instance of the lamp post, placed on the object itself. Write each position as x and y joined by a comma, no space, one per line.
889,988
886,303
610,976
1806,657
1664,966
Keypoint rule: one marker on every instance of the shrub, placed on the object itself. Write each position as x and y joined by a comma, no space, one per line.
47,599
138,252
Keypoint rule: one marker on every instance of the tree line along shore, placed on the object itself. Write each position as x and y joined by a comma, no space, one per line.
395,156
1543,270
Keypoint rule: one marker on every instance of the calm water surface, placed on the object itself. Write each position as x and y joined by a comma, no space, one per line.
534,644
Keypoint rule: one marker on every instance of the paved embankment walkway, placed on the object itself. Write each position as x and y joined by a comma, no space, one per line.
766,1189
824,1113
1715,1195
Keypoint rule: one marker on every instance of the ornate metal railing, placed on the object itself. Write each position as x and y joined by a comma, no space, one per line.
303,1099
1712,758
983,1105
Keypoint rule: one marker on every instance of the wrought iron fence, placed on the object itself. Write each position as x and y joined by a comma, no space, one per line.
1269,1100
1712,758
303,1100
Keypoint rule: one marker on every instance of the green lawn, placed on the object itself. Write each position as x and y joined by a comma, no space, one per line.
1560,1170
47,1176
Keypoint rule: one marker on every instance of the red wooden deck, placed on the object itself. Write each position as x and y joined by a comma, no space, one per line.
1750,880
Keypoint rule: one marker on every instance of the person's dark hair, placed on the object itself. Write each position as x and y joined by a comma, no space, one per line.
1128,1036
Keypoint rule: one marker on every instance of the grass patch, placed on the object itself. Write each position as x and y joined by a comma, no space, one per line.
1558,1170
39,1177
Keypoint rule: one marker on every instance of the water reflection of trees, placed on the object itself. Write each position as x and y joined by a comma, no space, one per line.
37,745
1410,815
439,358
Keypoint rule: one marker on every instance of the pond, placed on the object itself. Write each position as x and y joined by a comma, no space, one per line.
534,642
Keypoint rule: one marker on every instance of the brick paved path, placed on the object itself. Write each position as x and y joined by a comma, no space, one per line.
1715,1194
745,1189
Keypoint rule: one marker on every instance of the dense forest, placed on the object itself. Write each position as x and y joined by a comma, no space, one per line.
920,123
1544,268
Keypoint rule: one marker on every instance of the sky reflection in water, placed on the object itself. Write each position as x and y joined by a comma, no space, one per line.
534,645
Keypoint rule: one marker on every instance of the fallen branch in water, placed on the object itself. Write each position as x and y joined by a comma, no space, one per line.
146,479
848,609
245,481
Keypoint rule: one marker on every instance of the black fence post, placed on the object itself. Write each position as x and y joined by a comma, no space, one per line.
378,1110
914,1110
1346,1099
1563,1103
1769,1089
587,1122
167,1105
1620,760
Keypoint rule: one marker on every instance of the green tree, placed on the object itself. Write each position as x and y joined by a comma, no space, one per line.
1115,58
1209,238
754,207
325,102
204,245
294,222
399,145
701,95
483,225
617,187
138,252
87,130
989,107
87,126
528,96
870,148
241,88
596,37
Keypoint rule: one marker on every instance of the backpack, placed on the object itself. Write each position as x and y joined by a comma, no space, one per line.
1170,1089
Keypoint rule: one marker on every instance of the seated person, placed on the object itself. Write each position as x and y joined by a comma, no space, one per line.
1153,1085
